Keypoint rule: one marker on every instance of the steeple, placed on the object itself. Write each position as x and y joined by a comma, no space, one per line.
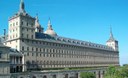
38,27
22,7
49,25
111,34
112,42
37,21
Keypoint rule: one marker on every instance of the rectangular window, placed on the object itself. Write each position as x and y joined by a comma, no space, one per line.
23,48
32,36
32,49
36,49
22,35
16,23
0,55
40,50
22,23
32,54
27,48
13,24
27,35
27,24
27,54
36,54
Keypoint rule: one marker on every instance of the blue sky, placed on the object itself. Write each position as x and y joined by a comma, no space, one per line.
87,20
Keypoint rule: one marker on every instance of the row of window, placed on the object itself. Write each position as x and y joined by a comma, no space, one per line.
15,60
13,36
42,43
27,36
22,35
22,23
14,24
13,30
66,62
27,29
69,52
83,43
69,56
27,24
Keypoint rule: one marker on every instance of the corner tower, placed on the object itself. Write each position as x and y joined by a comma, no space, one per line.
112,42
21,26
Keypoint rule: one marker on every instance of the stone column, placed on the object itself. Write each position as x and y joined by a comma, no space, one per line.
60,75
97,74
101,74
24,64
78,74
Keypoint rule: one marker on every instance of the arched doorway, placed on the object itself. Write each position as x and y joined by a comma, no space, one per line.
44,76
66,76
54,76
34,77
76,75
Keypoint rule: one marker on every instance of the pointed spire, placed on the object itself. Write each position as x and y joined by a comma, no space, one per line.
22,7
49,21
111,35
49,24
37,17
37,21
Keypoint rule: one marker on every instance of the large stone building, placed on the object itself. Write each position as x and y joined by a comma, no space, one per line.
48,50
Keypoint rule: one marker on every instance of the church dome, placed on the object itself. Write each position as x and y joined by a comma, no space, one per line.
50,32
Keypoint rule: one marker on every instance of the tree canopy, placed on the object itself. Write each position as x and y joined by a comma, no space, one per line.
117,72
87,75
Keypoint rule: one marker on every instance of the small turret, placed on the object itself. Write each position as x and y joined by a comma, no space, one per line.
112,42
22,7
38,27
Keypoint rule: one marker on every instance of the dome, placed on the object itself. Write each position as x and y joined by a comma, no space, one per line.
50,32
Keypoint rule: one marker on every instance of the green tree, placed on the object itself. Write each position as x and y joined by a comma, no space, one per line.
87,75
117,72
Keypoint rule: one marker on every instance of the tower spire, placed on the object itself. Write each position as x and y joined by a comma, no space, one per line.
49,24
22,7
37,21
111,34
